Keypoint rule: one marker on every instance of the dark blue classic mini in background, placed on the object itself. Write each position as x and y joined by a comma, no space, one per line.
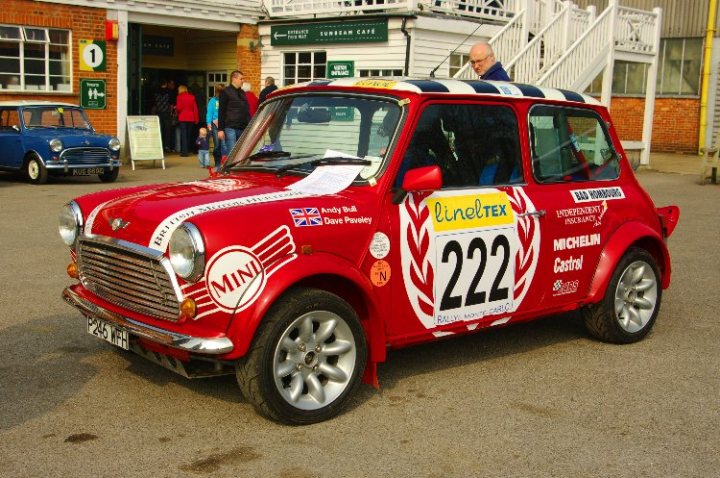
41,138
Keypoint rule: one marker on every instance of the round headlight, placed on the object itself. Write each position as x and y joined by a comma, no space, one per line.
55,145
114,144
70,222
187,252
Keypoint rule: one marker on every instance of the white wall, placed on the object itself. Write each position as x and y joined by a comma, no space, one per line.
432,39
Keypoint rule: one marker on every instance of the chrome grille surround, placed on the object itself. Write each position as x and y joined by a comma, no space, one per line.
134,277
86,156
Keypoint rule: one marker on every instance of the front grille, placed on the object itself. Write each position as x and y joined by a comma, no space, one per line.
86,156
130,276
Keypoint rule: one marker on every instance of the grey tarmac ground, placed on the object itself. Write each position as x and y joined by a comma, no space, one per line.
534,400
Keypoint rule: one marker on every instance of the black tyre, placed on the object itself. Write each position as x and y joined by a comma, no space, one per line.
109,176
631,303
306,360
35,170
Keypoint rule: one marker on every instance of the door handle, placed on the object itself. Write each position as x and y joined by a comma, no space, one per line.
538,213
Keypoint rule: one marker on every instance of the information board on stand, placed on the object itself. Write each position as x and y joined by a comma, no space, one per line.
145,139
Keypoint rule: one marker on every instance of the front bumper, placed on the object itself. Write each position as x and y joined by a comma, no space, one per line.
200,345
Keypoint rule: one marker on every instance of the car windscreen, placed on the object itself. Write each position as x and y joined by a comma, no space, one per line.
296,134
55,117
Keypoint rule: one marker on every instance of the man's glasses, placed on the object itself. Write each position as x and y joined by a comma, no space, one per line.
477,62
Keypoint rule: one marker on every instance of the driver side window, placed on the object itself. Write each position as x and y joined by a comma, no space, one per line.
570,144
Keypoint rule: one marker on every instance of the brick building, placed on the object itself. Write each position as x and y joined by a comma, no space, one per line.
48,46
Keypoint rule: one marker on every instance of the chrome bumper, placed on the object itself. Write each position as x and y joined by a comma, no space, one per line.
201,345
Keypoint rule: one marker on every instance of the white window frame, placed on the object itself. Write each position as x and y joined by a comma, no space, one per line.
286,81
366,72
214,78
27,35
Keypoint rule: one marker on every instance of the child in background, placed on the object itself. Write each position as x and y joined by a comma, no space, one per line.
203,146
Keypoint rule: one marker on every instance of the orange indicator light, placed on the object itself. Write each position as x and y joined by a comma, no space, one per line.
72,270
188,308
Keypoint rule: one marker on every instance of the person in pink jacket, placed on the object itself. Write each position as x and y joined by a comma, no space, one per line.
187,113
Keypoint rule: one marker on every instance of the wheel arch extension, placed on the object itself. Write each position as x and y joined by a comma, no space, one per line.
629,235
321,271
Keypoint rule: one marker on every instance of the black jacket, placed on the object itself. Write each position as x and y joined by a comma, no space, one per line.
266,91
234,111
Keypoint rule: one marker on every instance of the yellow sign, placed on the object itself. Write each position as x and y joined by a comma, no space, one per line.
454,213
386,84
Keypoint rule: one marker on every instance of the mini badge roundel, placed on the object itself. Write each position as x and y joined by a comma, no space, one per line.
118,223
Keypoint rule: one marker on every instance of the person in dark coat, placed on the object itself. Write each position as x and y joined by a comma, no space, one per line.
270,86
482,60
234,112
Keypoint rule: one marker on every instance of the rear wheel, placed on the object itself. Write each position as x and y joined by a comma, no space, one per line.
109,176
35,170
631,303
306,360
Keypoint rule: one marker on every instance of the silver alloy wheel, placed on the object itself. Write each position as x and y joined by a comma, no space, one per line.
33,169
636,296
314,360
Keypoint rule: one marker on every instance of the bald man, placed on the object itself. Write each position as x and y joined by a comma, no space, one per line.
482,60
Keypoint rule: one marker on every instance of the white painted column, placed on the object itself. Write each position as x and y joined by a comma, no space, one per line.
122,76
606,93
650,93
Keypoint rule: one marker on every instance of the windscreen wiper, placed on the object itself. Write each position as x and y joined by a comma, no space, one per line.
331,160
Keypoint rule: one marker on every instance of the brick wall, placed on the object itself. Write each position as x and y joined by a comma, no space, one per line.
249,61
676,123
85,24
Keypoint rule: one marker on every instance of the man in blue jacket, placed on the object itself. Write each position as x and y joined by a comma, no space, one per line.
482,60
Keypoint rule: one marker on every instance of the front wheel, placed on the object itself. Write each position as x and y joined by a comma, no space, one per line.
306,360
631,303
35,170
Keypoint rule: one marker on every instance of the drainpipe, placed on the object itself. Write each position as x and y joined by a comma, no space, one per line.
407,46
707,61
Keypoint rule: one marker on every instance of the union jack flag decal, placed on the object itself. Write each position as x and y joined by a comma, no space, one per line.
306,216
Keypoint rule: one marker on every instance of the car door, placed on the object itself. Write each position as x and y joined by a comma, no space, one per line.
575,172
467,251
11,146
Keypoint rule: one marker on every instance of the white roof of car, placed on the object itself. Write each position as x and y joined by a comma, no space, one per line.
453,86
34,103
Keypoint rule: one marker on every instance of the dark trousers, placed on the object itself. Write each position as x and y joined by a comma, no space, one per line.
166,130
185,131
217,152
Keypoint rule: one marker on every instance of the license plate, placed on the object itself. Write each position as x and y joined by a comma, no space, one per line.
87,171
108,332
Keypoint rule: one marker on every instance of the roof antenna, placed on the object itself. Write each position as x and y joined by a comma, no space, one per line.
432,73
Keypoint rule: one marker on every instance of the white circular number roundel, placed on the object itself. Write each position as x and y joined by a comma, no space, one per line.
92,55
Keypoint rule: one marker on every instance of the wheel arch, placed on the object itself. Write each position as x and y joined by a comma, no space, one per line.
629,235
321,271
30,153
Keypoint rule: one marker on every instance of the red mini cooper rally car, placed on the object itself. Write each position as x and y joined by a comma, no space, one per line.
357,215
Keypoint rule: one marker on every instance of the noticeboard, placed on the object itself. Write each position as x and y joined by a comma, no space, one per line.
145,139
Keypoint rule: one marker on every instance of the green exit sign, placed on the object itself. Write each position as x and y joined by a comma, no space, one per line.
92,94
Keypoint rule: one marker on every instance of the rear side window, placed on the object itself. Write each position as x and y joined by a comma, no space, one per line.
570,144
9,118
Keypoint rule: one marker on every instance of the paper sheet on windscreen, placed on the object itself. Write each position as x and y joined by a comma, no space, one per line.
329,179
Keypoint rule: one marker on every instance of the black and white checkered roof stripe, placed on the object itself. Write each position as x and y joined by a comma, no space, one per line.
465,87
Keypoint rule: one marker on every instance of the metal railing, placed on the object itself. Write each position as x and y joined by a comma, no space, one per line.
509,39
